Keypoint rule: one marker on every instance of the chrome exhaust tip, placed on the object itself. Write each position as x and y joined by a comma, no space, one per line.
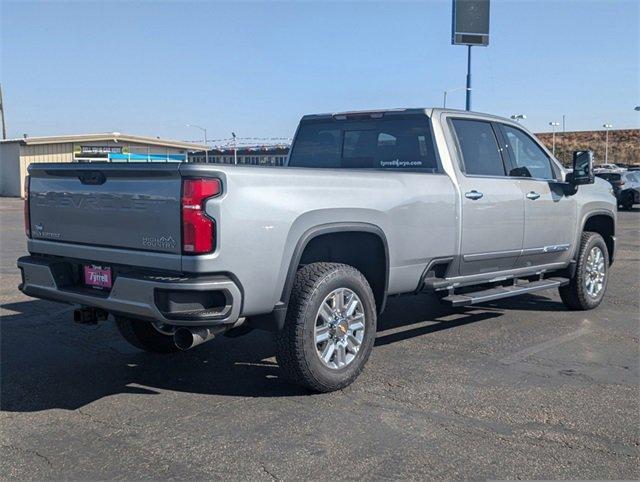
186,338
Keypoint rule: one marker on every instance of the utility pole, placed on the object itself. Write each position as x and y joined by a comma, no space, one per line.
553,135
235,148
563,144
606,142
4,128
206,151
446,92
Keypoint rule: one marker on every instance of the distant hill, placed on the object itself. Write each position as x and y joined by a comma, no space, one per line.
624,145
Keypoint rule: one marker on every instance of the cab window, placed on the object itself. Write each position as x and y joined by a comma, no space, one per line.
478,147
527,157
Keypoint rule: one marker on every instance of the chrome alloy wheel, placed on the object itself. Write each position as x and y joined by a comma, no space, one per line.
339,328
595,272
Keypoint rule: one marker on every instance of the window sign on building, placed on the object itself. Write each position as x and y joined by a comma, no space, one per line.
127,153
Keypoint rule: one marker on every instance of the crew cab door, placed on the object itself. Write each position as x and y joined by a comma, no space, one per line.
549,214
492,203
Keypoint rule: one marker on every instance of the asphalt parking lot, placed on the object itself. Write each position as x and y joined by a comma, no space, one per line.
519,388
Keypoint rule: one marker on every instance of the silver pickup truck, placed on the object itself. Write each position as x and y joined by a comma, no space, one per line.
370,205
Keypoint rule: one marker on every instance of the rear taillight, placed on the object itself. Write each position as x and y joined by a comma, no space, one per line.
27,217
198,229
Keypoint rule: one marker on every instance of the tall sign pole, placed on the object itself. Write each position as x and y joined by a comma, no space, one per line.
470,26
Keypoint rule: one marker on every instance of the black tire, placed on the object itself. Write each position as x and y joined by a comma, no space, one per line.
144,336
295,343
575,295
627,201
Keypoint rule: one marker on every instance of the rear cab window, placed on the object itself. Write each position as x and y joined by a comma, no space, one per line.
387,143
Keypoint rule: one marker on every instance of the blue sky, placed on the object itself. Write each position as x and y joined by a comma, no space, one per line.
149,68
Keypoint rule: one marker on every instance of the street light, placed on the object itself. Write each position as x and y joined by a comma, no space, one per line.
518,117
553,135
606,142
637,108
235,148
444,102
206,151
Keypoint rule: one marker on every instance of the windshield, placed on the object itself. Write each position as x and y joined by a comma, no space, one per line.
365,144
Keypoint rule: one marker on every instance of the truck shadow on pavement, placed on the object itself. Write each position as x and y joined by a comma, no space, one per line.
48,362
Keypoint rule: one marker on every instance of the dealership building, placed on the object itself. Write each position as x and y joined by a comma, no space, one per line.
17,154
261,155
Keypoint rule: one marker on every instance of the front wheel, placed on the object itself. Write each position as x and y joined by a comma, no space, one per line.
588,285
330,327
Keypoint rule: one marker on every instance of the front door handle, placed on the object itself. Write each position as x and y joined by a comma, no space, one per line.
475,195
533,195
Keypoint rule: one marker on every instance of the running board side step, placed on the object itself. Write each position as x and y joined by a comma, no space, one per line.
499,292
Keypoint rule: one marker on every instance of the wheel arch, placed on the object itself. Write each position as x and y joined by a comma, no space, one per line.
603,223
316,244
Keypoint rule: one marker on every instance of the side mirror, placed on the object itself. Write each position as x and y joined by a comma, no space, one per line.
582,168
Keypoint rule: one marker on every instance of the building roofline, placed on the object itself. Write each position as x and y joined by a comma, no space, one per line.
106,136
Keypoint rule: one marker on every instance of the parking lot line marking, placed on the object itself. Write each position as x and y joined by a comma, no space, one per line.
532,350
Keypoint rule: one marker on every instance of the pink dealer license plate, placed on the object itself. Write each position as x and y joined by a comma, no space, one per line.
97,276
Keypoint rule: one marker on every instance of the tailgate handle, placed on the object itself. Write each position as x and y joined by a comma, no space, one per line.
92,177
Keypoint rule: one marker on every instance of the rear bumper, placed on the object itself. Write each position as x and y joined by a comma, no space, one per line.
143,296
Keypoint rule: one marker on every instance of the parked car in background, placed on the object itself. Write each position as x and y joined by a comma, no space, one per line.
629,167
608,168
626,186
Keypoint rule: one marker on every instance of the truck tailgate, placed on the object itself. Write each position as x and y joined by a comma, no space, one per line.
129,206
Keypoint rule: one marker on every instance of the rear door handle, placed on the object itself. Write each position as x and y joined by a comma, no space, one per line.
533,195
475,195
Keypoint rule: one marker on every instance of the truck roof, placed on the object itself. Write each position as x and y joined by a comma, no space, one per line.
376,113
364,113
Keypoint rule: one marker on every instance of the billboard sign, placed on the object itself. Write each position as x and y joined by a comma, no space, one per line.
470,22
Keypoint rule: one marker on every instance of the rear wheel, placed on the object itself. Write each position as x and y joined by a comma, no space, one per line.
329,329
587,287
147,336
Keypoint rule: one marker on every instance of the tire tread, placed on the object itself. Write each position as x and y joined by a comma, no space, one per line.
574,295
289,341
